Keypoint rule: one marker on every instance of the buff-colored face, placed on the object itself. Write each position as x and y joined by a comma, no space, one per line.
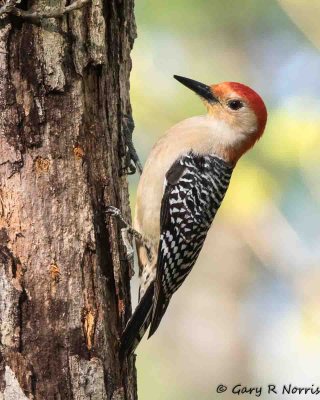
234,109
235,104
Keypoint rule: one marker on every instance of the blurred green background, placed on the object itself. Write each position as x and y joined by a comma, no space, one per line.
250,310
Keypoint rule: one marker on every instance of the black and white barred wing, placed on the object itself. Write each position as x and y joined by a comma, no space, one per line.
194,189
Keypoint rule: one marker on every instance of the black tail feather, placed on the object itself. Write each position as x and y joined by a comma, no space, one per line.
137,324
158,312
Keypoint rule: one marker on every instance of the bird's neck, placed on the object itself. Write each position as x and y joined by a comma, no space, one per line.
231,152
208,135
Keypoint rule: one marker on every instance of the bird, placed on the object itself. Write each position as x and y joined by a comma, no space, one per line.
182,186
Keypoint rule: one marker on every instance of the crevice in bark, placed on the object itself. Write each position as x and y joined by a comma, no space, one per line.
16,166
33,380
90,311
22,299
6,255
23,5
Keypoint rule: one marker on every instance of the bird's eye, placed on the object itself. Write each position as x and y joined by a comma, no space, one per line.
235,104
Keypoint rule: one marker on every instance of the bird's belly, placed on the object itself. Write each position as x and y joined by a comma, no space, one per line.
150,195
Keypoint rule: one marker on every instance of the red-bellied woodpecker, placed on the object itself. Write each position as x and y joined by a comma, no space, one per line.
181,188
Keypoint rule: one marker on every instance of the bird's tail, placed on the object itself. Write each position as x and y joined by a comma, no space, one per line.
160,305
137,324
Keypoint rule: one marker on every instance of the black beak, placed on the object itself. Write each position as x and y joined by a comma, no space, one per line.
199,88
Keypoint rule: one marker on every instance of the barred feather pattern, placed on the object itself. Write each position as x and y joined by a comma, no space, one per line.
194,189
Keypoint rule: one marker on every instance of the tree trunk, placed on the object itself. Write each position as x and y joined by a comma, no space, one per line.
64,281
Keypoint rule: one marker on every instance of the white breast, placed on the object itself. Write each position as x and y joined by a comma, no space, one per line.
203,135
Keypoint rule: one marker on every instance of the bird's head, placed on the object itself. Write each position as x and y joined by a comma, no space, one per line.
239,109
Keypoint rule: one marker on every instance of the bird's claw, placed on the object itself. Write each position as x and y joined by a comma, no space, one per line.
127,244
132,162
113,211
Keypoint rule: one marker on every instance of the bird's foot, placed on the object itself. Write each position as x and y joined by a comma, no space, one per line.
116,213
127,229
127,244
132,161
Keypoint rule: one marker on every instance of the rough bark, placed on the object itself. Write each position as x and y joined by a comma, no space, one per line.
64,283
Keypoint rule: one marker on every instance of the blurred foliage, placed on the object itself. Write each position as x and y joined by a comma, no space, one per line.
251,307
306,15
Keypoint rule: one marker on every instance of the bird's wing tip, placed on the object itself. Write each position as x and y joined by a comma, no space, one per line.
151,332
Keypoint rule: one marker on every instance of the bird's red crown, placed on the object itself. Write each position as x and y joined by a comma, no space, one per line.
249,95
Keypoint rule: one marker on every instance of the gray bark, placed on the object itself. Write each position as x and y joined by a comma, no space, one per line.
64,283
